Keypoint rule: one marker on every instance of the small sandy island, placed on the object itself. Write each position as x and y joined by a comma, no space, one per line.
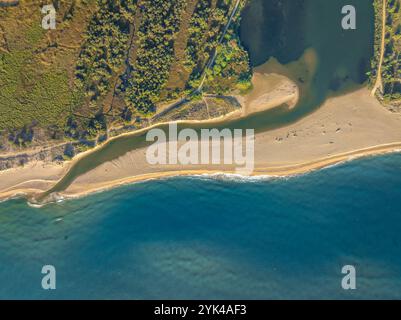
345,127
269,91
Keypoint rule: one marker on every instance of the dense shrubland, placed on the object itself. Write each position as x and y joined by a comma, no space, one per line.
392,53
105,47
107,64
205,29
391,68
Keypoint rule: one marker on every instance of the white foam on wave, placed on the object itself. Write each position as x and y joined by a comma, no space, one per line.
54,198
36,205
339,163
235,177
13,197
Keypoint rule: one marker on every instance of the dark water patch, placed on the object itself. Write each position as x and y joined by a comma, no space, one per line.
274,28
284,29
4,4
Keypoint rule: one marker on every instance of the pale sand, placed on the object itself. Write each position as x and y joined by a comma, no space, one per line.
30,179
84,189
343,128
379,80
270,90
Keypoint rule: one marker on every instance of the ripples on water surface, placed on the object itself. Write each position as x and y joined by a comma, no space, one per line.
190,238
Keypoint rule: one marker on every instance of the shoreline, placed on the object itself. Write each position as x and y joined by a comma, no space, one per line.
19,188
290,97
268,173
350,126
11,193
345,127
379,83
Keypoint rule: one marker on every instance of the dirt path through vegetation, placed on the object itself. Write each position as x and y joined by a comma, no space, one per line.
379,82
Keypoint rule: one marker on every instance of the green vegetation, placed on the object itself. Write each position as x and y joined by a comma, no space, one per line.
105,47
378,7
391,68
391,73
29,94
231,68
206,27
160,22
196,53
199,24
36,71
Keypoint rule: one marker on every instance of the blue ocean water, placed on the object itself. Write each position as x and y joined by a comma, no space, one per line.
214,238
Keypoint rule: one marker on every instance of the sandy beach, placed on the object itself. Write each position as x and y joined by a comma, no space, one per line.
343,128
33,178
280,91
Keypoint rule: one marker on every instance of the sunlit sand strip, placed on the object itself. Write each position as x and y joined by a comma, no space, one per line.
264,173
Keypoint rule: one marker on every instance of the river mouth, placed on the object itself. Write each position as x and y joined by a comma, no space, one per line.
301,39
285,29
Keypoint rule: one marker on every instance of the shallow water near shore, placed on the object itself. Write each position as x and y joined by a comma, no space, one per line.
221,238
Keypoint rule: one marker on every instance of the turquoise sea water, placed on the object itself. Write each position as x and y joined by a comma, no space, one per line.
214,238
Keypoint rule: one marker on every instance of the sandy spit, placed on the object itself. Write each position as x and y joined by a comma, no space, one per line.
344,128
